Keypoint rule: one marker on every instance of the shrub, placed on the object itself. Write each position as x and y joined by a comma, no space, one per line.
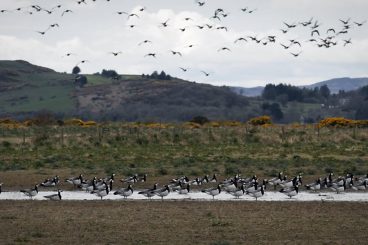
260,121
337,122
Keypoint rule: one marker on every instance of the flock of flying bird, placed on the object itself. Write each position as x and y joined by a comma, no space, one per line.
328,38
236,186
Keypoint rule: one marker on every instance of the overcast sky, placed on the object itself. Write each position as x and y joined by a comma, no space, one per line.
95,29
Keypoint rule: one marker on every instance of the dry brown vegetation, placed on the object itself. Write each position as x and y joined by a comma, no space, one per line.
118,222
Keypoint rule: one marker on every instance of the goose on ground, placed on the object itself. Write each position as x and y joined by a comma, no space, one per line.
238,193
213,191
360,186
30,192
184,191
183,179
50,182
143,178
54,197
162,192
149,192
130,180
108,178
339,188
316,186
229,187
1,184
125,192
291,191
76,181
89,186
257,194
275,181
197,181
103,192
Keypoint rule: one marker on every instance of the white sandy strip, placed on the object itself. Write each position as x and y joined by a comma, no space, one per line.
199,196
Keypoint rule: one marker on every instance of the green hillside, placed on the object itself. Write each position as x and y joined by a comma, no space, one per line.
26,89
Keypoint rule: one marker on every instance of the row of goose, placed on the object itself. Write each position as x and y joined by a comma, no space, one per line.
235,186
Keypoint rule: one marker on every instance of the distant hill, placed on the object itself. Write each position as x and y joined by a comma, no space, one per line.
249,92
335,85
345,83
26,89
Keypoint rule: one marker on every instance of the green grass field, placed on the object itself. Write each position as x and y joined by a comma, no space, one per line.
175,151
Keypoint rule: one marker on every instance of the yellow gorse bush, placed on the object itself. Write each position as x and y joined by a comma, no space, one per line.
260,121
340,122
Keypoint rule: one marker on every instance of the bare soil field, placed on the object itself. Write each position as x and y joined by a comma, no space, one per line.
156,222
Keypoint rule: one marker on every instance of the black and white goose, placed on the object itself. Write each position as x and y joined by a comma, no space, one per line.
162,192
149,192
143,178
295,181
275,181
54,197
108,178
76,181
196,181
338,187
30,192
51,182
89,186
238,192
184,191
125,192
290,191
130,180
257,194
102,193
316,186
360,186
213,191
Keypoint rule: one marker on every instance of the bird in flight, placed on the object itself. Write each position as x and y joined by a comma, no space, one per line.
184,69
144,42
221,28
315,32
205,73
66,11
42,32
223,49
289,25
115,53
360,24
164,24
296,54
151,55
176,53
82,62
69,54
346,42
345,22
200,4
241,39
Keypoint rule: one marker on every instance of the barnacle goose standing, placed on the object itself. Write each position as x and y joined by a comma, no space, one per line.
291,191
213,191
149,192
125,192
30,192
54,197
256,194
